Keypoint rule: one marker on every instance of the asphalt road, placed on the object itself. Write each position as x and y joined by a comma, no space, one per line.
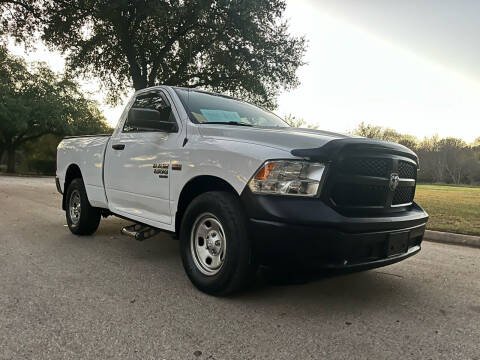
107,296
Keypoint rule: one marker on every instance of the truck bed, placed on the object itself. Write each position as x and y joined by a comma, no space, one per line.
88,153
82,136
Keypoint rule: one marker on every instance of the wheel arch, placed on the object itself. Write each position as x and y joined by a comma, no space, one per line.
73,172
195,187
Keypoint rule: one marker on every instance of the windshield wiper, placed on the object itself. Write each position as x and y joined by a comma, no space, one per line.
228,123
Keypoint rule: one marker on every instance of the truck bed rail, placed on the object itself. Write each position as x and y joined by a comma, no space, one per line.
81,136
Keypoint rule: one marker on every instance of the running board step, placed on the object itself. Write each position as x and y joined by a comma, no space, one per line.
139,232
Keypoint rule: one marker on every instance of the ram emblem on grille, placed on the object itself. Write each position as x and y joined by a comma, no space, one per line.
394,180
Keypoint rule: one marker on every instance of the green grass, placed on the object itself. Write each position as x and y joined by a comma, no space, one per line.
451,208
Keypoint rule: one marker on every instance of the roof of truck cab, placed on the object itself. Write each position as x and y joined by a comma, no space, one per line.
158,87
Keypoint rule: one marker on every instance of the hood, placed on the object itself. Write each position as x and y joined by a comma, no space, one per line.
281,138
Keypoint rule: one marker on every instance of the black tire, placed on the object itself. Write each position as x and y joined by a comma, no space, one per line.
89,217
238,265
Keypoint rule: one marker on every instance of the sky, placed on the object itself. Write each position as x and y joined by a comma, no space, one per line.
408,65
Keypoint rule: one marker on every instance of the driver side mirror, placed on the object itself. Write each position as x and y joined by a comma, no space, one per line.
143,119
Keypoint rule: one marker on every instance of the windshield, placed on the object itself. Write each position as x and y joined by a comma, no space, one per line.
210,108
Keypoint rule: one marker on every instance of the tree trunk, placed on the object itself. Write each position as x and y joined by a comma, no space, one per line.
139,81
11,159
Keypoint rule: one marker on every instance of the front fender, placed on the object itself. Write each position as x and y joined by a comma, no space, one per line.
232,161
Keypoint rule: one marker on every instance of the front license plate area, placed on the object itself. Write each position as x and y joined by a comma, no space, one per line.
397,243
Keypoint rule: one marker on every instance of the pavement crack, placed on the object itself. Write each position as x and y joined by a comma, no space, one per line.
387,273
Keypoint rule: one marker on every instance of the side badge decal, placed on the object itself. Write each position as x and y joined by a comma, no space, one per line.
161,169
177,167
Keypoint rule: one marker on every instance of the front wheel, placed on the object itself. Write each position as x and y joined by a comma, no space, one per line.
216,251
82,218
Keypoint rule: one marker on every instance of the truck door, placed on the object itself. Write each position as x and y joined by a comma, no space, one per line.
137,161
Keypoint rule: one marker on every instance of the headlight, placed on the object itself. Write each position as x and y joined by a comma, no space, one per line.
288,177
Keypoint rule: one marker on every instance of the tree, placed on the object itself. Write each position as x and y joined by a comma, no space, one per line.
369,131
34,101
18,18
387,134
241,47
293,121
454,154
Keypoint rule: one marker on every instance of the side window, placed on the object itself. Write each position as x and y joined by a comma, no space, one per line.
150,112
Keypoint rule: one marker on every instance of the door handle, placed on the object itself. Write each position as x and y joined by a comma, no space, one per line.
118,146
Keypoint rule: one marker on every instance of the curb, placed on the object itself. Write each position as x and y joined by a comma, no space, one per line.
25,175
450,238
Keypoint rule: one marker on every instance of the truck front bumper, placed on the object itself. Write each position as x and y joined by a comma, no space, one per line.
309,232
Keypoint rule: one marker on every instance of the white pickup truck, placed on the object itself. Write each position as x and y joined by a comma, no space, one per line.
239,187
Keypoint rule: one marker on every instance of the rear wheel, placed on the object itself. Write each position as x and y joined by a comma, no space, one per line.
82,218
216,251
